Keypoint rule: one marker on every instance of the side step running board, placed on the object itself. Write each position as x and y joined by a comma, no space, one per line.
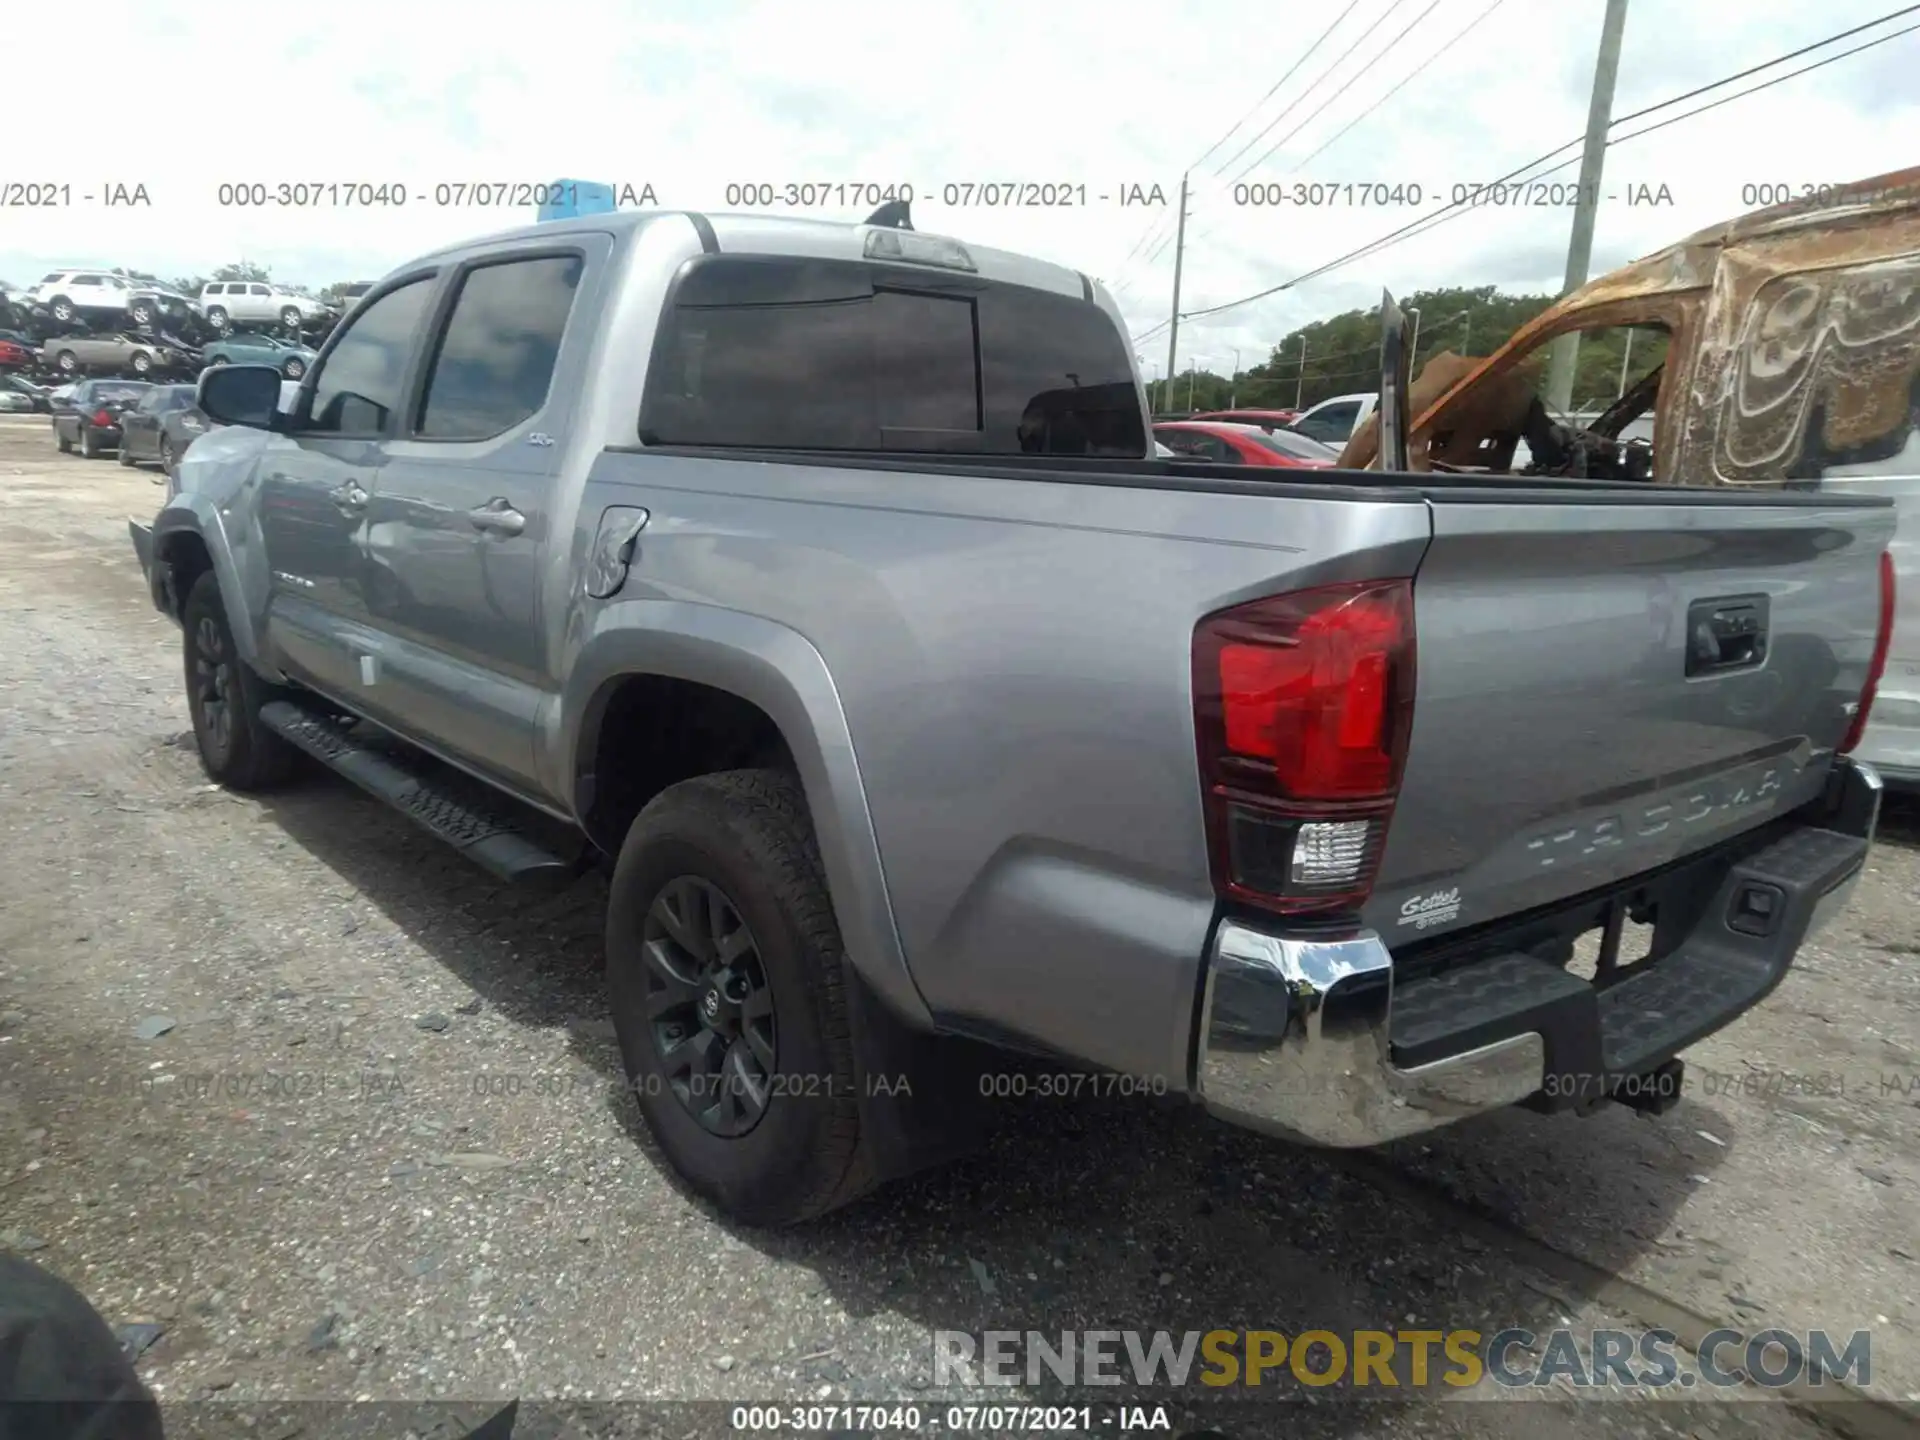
457,813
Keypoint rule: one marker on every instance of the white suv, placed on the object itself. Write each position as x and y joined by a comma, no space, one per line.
71,295
227,302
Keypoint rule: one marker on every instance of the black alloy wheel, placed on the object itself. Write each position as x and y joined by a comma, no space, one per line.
710,1007
215,686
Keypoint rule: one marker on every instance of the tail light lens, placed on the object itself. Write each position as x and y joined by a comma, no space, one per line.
1304,707
103,417
1877,666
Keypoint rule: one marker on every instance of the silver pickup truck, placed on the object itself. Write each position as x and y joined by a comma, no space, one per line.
820,580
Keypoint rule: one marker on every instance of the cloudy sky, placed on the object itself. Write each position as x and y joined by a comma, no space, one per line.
691,96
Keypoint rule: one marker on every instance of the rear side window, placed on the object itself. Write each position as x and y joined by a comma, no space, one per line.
496,356
832,355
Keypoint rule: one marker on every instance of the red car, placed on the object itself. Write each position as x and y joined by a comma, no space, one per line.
1265,419
14,355
1225,444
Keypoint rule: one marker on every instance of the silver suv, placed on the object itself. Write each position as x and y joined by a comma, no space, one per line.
230,302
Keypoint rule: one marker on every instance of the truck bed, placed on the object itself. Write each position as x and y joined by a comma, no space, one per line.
1012,644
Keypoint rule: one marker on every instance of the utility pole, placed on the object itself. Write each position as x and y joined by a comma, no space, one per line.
1301,378
1179,255
1566,350
1625,361
1233,385
1413,351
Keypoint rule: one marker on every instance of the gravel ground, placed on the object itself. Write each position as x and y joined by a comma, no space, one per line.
333,1113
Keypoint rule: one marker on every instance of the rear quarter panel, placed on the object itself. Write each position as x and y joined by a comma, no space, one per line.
1013,657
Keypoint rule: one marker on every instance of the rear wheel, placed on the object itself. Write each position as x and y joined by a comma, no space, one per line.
125,456
66,445
725,969
89,443
142,313
166,456
224,697
295,368
67,362
62,309
142,362
217,318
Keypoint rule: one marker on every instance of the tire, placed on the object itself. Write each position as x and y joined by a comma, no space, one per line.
61,309
66,445
214,362
290,317
142,313
67,362
294,368
224,697
121,454
217,318
89,447
166,456
744,835
141,363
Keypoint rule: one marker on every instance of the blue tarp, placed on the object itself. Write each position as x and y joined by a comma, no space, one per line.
567,198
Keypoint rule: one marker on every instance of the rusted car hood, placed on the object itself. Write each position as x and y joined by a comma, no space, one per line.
1815,303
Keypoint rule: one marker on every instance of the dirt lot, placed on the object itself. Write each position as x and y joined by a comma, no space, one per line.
375,1153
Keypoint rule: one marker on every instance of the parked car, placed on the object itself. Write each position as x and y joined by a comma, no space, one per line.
1223,444
352,295
36,397
112,353
238,348
93,296
233,302
14,402
16,351
91,418
155,307
1265,419
1747,395
143,429
693,585
1334,420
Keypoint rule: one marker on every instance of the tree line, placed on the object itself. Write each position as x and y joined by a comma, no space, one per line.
1341,355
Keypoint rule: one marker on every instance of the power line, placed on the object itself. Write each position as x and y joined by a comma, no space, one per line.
1400,86
1335,97
1459,207
1378,21
1351,4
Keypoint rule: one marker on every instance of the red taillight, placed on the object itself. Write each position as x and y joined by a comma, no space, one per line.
102,418
1304,706
1877,666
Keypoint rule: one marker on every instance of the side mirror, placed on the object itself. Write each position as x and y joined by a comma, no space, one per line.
241,395
1396,384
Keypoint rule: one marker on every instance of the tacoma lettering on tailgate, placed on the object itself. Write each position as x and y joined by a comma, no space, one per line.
1671,813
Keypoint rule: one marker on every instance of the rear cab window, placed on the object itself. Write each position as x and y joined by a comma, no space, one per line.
795,353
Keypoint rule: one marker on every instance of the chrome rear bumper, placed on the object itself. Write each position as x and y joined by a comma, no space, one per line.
1296,1044
1295,1033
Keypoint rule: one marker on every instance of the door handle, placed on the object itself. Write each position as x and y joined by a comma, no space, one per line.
499,516
349,497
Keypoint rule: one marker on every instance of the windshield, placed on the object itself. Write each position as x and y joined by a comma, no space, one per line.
1296,447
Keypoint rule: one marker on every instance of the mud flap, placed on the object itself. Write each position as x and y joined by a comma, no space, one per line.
920,1094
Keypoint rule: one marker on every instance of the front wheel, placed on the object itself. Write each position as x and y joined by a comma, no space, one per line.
166,457
67,362
89,444
224,697
143,314
142,363
295,368
728,986
63,311
124,456
217,318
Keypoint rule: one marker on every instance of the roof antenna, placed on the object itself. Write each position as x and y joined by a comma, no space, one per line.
892,216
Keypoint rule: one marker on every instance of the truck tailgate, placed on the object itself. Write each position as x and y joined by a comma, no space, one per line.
1608,681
